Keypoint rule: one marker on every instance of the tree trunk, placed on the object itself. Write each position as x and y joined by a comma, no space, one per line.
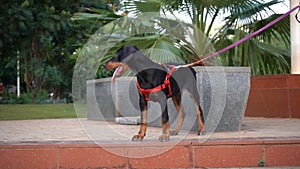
38,85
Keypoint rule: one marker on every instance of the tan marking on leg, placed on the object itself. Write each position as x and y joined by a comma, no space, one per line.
143,127
200,122
166,128
165,132
180,118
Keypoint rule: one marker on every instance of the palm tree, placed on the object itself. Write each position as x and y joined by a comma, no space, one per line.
238,19
212,26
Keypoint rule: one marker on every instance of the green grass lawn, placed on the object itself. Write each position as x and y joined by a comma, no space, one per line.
36,111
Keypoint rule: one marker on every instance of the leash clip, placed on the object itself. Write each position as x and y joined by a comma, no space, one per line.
296,16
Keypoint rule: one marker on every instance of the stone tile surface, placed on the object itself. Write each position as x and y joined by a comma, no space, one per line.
87,130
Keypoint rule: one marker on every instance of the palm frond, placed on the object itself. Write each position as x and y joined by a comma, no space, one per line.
279,31
143,6
243,13
261,57
167,40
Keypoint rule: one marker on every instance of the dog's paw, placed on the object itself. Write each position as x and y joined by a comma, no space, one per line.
201,133
164,138
174,132
137,137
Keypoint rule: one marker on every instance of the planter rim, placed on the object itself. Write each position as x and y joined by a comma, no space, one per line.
225,69
108,79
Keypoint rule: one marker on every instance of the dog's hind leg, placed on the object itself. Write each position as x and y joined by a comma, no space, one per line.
200,117
165,122
201,130
177,103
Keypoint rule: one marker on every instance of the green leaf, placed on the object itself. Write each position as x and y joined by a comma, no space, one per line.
148,6
164,51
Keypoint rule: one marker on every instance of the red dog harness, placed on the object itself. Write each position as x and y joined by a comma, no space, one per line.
166,84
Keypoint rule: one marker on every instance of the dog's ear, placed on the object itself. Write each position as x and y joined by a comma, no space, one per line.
118,55
129,50
124,52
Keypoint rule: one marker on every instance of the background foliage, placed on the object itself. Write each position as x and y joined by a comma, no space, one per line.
43,36
48,36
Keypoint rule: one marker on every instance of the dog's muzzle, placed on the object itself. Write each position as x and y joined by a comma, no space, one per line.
111,65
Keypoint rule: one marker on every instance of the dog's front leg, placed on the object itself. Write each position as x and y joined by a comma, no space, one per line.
165,122
143,126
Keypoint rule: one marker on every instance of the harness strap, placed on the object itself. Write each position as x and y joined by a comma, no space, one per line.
166,84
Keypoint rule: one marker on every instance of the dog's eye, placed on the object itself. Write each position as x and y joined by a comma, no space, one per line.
119,59
115,59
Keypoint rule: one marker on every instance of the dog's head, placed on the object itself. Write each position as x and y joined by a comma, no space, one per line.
120,60
120,57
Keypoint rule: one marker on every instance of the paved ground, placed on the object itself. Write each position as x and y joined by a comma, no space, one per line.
260,168
85,130
28,131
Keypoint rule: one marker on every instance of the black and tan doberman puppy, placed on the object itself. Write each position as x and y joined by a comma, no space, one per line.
157,83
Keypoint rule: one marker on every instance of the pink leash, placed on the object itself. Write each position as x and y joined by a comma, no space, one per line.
253,34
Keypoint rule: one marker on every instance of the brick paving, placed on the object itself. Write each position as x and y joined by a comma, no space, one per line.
61,143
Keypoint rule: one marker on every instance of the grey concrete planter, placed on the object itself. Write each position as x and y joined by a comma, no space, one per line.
223,97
